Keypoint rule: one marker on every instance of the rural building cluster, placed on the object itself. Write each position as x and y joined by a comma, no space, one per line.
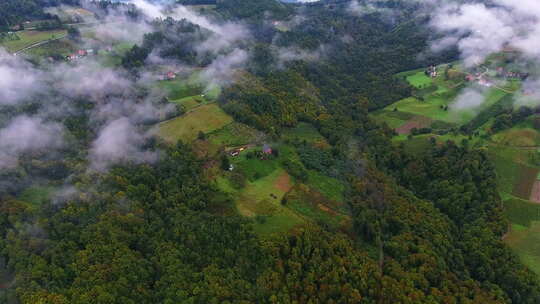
80,54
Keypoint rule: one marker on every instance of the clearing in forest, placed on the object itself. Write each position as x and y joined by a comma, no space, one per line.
262,199
206,118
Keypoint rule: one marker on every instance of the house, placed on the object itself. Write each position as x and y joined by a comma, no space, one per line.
431,71
171,75
267,149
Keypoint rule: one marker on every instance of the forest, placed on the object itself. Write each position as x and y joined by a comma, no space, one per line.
419,227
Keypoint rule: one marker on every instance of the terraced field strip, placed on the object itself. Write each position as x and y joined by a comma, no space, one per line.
525,183
417,122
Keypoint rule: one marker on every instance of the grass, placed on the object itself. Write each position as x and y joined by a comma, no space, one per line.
61,47
28,38
255,168
432,95
518,137
419,80
178,89
526,243
521,212
262,200
206,119
328,186
190,102
304,131
234,134
508,172
310,205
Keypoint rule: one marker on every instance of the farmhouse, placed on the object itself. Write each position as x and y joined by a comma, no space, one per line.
267,149
171,75
431,71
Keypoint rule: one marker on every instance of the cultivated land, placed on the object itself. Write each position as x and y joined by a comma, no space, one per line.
514,151
28,38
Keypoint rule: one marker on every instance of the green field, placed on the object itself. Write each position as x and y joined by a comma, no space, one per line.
188,87
311,204
525,241
419,79
518,136
206,119
304,131
261,200
190,102
62,47
435,99
330,187
394,119
28,38
235,134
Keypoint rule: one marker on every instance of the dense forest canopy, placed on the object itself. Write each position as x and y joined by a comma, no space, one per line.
159,221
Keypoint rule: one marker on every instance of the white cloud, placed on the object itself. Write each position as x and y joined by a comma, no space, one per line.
25,134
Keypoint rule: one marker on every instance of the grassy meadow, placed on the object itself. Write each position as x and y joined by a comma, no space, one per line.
206,119
28,38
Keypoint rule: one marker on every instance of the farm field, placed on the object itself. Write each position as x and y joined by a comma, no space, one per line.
61,47
206,118
28,38
261,200
235,134
190,102
525,241
419,79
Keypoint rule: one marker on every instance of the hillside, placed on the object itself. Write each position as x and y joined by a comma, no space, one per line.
265,152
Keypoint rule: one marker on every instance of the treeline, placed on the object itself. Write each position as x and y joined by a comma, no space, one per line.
15,12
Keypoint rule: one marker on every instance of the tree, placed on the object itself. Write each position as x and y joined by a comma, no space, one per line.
74,33
225,163
536,122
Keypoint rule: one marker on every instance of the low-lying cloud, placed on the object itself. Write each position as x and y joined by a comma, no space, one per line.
25,134
119,141
18,79
480,30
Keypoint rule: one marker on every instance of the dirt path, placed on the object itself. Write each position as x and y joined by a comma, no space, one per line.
37,44
283,182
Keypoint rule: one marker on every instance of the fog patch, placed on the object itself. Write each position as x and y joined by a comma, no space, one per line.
25,134
469,99
119,141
